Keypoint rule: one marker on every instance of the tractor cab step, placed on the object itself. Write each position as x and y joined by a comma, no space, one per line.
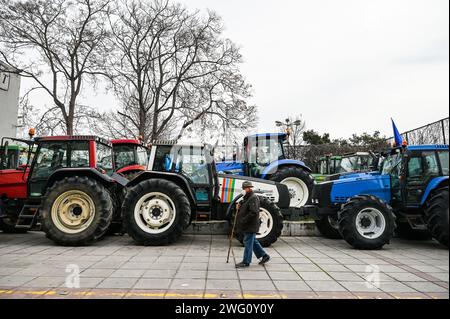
417,222
27,216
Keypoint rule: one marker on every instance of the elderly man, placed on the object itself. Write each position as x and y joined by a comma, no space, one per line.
248,223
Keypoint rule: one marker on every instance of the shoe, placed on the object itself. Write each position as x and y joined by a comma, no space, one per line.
264,260
242,265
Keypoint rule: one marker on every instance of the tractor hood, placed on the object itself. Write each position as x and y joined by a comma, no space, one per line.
352,175
361,184
230,167
231,187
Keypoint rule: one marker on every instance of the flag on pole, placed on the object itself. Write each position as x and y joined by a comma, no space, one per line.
397,136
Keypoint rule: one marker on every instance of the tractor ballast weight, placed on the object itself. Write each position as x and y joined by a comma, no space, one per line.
264,157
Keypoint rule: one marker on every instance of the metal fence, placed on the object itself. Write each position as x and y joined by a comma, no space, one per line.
433,133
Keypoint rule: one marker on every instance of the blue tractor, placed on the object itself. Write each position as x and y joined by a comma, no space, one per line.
264,157
410,190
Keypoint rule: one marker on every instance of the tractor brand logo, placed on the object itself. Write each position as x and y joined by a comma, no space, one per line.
228,190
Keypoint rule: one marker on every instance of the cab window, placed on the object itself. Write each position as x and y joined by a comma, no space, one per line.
142,156
105,158
443,158
191,162
55,155
124,156
163,159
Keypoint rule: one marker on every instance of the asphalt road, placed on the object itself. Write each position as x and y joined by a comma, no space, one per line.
31,266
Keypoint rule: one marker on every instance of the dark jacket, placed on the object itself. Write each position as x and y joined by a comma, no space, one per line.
248,215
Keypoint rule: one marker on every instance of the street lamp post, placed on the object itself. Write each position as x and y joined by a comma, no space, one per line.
289,125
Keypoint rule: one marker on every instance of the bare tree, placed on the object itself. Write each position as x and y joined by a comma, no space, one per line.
172,66
58,44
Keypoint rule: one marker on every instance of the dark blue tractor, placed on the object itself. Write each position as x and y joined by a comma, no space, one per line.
409,192
264,157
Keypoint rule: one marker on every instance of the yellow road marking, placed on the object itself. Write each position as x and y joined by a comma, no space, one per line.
94,294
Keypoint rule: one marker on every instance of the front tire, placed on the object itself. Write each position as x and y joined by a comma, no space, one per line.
156,212
76,211
328,226
271,224
366,222
299,182
437,216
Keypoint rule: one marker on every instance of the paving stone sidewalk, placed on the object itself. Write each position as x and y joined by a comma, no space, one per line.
302,267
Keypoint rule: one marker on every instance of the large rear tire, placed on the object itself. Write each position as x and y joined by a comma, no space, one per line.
366,222
76,211
437,216
299,182
156,212
328,226
271,224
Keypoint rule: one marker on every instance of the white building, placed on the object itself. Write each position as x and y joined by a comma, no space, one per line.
9,102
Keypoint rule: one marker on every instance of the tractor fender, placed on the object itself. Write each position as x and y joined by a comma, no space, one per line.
274,166
88,172
229,214
175,178
435,183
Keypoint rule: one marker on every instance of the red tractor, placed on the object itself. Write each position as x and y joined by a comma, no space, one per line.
68,190
130,157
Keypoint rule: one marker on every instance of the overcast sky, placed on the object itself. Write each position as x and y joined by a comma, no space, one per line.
346,66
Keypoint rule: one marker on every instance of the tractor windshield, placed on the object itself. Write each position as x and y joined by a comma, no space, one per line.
14,156
444,159
128,155
347,165
391,165
192,163
105,158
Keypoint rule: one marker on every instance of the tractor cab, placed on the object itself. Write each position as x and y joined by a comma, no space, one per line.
327,165
264,157
14,153
357,162
262,150
195,162
130,156
352,164
414,171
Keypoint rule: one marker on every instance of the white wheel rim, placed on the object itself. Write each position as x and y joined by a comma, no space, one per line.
155,213
298,191
73,212
370,223
266,223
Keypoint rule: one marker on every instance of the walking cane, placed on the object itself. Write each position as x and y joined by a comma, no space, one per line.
232,235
